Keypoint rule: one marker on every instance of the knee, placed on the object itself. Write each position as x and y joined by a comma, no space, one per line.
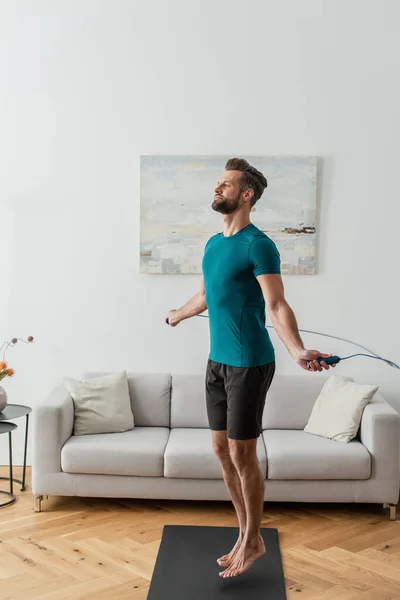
221,449
243,455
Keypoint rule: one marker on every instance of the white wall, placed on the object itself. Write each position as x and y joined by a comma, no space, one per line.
88,86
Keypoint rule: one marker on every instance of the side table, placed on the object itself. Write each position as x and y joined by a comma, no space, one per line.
8,428
14,411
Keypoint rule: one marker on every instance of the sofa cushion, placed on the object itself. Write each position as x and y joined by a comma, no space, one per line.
338,409
290,400
137,452
294,454
188,401
189,454
150,395
101,404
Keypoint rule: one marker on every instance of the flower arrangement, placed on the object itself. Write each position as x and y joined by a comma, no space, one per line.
5,371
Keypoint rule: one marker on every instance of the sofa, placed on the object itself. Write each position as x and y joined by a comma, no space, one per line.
168,454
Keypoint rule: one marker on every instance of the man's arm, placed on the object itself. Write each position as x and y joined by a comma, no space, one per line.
285,323
194,306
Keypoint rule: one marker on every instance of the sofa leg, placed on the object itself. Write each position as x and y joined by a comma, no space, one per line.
392,510
38,503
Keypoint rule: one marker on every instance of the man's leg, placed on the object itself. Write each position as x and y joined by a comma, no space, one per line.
217,417
234,486
244,457
246,393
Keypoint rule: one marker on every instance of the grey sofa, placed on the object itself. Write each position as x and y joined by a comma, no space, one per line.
169,453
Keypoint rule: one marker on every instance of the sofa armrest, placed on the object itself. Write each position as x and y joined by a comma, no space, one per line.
380,434
53,423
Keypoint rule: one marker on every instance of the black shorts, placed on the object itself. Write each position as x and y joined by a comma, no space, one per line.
236,398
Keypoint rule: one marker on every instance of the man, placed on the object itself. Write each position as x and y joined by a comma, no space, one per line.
241,275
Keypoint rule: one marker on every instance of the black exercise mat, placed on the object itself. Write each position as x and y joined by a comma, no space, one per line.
186,567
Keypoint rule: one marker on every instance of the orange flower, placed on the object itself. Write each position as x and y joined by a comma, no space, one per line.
3,366
10,372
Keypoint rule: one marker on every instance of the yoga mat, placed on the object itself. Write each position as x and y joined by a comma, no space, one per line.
186,567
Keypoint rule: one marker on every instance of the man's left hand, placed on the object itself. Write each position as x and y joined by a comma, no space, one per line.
307,359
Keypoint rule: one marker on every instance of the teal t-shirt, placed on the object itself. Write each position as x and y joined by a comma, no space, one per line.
235,302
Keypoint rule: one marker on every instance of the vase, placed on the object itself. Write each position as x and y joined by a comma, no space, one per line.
3,398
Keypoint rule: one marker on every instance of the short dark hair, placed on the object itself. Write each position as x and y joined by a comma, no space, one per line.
251,177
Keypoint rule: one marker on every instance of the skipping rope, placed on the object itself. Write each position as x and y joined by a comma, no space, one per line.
332,360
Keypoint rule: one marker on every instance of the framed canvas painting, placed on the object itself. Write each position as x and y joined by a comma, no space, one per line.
176,218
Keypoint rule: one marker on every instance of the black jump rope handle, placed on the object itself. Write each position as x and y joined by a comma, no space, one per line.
331,360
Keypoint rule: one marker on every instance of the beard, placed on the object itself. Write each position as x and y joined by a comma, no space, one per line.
225,206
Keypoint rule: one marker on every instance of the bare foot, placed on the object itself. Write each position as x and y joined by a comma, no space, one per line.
247,555
226,560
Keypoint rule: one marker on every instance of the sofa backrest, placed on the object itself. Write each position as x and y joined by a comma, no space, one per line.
150,395
288,405
177,400
290,400
188,401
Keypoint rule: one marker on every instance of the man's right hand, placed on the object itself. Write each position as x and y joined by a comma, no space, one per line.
173,318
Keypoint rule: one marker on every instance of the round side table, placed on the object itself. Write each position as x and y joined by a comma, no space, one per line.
14,411
8,428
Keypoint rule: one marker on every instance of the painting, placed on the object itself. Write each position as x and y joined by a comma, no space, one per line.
176,218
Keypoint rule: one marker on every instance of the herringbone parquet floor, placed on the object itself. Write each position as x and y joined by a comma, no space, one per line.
81,549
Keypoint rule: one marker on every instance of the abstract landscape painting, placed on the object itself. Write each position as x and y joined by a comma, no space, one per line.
176,218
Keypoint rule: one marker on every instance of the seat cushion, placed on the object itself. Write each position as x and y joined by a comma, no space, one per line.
294,454
137,452
189,454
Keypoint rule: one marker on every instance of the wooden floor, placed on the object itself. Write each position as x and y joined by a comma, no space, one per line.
78,549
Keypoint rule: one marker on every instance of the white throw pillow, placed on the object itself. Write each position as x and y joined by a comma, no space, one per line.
338,409
101,404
